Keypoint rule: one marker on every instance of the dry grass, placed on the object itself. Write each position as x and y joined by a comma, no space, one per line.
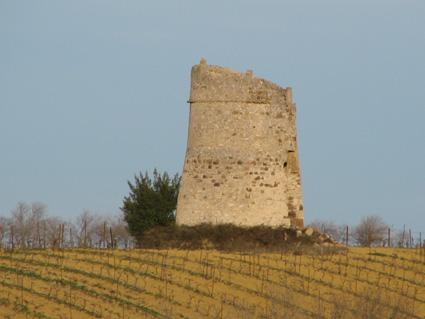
83,283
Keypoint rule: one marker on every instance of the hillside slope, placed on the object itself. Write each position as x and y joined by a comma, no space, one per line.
78,283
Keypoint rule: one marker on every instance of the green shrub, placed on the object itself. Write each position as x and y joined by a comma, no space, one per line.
151,202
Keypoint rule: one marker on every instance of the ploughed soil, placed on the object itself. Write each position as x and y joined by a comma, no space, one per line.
229,237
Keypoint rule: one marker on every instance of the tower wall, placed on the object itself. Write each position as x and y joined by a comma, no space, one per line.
241,162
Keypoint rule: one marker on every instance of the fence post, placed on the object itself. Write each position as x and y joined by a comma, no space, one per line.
38,234
85,233
346,236
112,238
404,232
389,237
59,236
63,235
44,234
71,241
105,243
12,234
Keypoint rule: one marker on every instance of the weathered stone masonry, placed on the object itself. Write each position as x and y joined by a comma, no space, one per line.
241,162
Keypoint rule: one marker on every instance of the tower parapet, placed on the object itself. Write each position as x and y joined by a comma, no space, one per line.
241,162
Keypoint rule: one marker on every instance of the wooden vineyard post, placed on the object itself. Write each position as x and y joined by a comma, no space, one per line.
71,241
85,233
404,232
389,237
112,238
38,234
44,234
423,247
12,234
63,235
58,241
105,243
346,236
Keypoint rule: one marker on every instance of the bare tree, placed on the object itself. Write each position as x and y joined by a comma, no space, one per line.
109,231
52,231
100,231
120,232
326,226
21,224
72,234
4,230
85,229
371,230
337,232
38,211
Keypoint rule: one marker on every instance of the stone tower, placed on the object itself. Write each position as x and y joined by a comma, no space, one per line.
241,162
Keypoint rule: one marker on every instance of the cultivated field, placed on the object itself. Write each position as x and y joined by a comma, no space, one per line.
79,283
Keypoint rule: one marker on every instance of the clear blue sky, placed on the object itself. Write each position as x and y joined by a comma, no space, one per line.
92,92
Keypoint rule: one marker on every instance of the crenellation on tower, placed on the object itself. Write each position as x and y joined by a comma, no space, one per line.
241,162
